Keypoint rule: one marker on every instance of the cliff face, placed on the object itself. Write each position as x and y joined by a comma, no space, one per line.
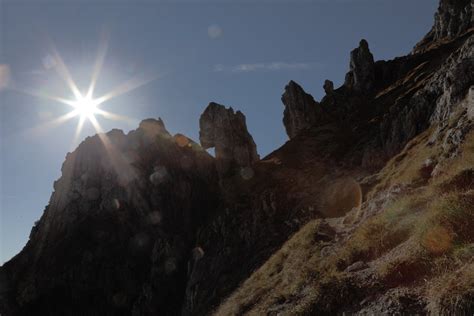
120,224
366,209
454,17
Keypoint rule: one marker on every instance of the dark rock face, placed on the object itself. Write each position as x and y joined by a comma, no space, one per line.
453,18
118,231
443,93
227,132
382,126
328,87
300,109
361,76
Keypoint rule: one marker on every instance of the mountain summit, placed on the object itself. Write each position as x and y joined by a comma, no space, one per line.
367,209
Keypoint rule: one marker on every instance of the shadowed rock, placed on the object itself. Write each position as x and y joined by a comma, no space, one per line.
300,109
362,71
453,18
118,231
226,131
328,87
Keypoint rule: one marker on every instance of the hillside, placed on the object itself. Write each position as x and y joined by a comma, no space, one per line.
367,209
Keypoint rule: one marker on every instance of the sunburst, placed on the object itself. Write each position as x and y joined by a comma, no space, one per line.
84,105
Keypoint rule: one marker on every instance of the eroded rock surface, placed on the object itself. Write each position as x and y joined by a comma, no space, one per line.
453,18
328,87
300,109
118,231
361,76
226,131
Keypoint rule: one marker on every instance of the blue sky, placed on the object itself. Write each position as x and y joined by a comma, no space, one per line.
238,53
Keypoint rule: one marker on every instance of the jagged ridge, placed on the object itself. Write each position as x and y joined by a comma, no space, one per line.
149,223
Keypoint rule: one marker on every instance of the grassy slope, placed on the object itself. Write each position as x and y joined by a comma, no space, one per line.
421,241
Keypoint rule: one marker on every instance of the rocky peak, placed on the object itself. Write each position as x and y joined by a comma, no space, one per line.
361,76
453,18
300,109
328,87
226,131
141,228
153,127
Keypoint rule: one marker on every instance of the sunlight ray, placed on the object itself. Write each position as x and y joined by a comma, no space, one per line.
120,165
102,52
63,118
115,117
79,127
63,71
39,94
95,124
127,86
50,124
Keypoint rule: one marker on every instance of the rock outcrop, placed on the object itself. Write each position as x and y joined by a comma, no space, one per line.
119,230
328,87
361,75
453,18
226,131
300,109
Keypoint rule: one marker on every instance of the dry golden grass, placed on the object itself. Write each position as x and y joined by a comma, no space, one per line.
411,238
452,293
385,231
424,238
289,276
405,167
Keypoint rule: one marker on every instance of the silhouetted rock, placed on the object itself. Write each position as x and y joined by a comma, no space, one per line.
118,231
226,131
362,72
328,87
300,109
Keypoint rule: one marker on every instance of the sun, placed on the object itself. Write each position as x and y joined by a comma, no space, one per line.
86,106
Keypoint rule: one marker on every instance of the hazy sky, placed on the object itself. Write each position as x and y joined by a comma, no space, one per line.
238,53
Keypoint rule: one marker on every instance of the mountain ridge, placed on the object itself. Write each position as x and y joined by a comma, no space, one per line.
149,222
